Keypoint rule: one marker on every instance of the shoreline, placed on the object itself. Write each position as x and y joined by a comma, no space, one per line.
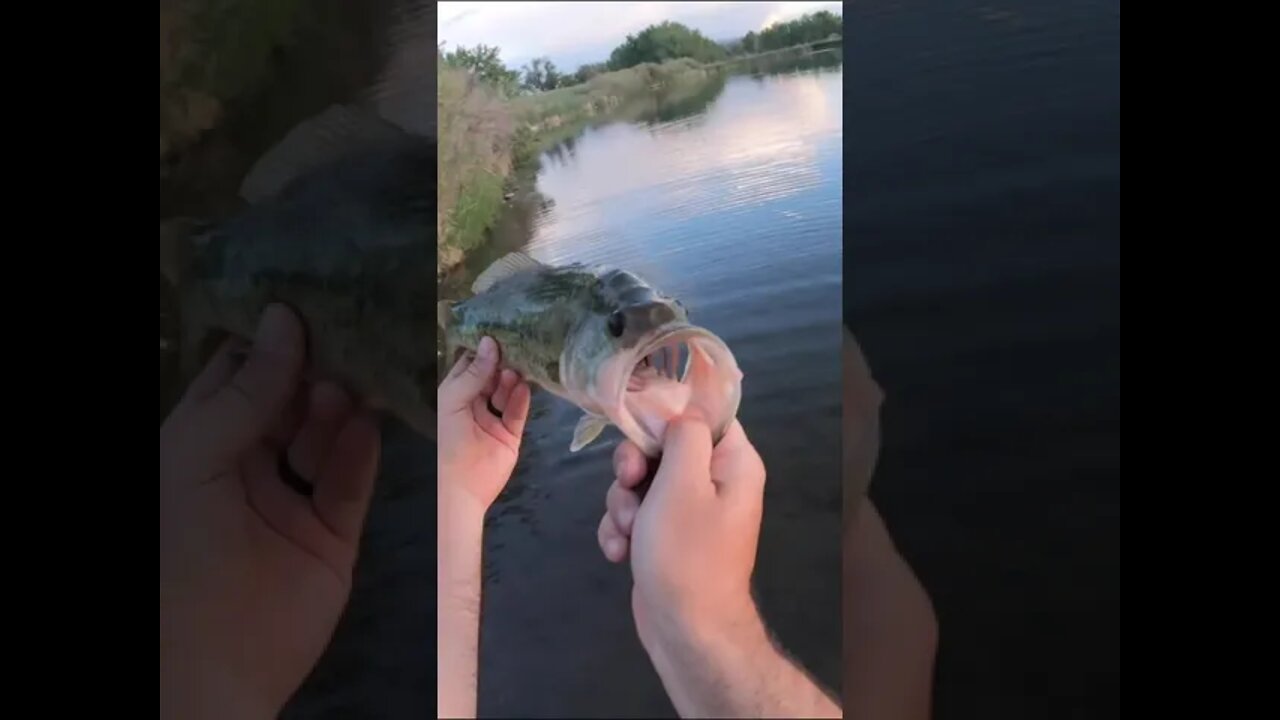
497,157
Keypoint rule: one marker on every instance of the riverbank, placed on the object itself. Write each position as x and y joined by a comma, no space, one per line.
489,146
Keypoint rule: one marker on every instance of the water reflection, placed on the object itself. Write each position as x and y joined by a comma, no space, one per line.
728,198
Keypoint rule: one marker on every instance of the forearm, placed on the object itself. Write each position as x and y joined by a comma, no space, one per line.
196,694
196,681
459,541
735,671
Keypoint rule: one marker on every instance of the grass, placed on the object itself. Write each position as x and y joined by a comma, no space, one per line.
489,145
213,52
476,130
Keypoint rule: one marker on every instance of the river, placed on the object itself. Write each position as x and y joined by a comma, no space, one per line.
732,202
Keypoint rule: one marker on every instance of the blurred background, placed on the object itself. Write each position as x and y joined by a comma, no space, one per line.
982,280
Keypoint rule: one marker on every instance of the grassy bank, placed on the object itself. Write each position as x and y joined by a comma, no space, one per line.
477,130
488,145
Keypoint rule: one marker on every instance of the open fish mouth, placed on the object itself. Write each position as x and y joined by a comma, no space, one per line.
678,370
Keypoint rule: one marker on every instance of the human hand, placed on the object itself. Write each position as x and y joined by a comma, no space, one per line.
478,447
254,575
692,542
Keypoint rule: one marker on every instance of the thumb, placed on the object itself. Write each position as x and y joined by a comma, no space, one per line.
247,406
685,467
469,376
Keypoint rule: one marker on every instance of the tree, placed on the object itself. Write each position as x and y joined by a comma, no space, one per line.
662,42
586,72
484,62
541,74
808,28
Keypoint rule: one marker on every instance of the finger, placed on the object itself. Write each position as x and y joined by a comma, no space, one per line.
291,515
629,464
491,386
736,467
467,381
460,365
217,372
247,405
517,412
612,543
290,422
685,467
492,424
503,391
622,505
346,481
327,412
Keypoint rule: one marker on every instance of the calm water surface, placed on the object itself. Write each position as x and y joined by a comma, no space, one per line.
735,207
983,282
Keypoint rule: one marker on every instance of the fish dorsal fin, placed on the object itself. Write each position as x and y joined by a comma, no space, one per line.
504,267
589,428
312,143
444,313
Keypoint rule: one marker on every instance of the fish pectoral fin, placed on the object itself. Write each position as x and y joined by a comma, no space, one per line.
589,428
504,267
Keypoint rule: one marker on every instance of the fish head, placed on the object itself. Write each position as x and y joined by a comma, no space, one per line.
638,360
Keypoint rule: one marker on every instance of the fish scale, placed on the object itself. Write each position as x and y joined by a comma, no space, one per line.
581,332
339,228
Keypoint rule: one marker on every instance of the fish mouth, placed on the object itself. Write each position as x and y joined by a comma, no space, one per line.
679,370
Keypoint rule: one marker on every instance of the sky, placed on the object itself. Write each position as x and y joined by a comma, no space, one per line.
576,33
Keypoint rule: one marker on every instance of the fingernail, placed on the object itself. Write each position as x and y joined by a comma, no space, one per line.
487,354
274,329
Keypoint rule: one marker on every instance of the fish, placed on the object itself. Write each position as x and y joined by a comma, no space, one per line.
602,339
338,226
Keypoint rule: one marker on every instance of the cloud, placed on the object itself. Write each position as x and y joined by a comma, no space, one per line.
573,33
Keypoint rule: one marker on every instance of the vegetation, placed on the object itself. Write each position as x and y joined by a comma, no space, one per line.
495,122
213,52
663,42
484,62
541,74
808,28
586,72
476,130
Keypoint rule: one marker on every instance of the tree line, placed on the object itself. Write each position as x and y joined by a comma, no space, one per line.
655,44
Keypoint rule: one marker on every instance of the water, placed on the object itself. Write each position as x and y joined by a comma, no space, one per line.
732,203
982,279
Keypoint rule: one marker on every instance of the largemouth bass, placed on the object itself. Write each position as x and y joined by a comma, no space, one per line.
603,339
339,228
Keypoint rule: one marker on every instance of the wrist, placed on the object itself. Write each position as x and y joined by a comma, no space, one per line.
194,684
458,507
459,547
691,654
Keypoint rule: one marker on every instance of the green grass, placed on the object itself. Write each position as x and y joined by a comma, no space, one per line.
488,145
478,205
212,53
607,91
474,160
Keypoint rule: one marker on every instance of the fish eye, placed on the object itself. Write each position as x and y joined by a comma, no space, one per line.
617,323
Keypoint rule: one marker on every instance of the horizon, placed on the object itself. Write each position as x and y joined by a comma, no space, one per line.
573,34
